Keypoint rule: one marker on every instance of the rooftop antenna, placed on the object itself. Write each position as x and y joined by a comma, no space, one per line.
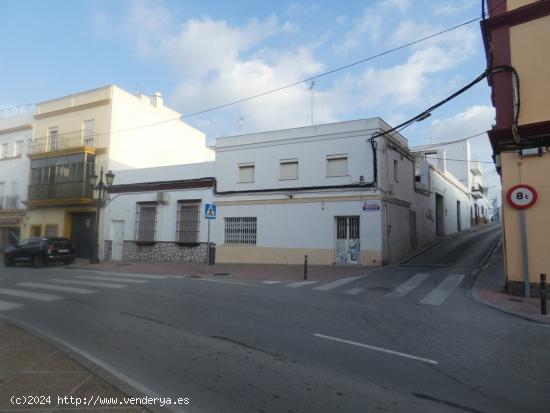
311,85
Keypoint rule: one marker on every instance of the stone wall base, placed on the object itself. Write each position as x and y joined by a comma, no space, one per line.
163,251
516,288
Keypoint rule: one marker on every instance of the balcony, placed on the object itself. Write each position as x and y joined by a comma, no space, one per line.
57,142
65,193
478,191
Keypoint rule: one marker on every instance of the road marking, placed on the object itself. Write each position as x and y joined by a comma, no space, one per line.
383,350
440,293
408,285
354,291
57,288
300,284
337,283
29,294
223,281
100,278
271,282
6,305
89,283
135,275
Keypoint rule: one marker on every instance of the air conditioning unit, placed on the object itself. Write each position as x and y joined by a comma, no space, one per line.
162,197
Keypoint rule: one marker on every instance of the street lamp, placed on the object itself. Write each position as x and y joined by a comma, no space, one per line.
102,188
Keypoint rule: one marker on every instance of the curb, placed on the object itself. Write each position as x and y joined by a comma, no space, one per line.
97,367
475,291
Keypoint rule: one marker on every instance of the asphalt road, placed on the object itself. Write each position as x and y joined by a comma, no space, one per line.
402,339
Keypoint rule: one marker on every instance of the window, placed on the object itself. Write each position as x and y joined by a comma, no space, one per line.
395,170
4,150
146,221
51,231
240,230
289,169
19,148
36,230
187,225
246,172
337,165
88,129
53,134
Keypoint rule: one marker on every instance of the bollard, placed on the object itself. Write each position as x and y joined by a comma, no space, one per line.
305,267
543,302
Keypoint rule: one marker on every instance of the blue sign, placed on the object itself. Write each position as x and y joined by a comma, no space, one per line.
210,211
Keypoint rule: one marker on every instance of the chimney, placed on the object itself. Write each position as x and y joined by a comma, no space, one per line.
156,100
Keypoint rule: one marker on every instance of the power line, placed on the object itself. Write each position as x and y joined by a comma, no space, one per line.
435,145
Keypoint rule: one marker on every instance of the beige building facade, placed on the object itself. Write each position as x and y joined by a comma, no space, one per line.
517,35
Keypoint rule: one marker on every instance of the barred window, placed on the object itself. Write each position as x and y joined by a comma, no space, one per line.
146,221
240,230
187,224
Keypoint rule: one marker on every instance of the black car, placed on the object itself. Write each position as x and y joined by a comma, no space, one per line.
40,251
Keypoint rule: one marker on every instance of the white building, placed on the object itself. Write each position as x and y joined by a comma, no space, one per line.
15,135
343,193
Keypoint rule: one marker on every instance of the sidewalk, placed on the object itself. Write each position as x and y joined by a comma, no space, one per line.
490,289
258,272
31,367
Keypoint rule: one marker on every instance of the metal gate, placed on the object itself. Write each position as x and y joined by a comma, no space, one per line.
348,249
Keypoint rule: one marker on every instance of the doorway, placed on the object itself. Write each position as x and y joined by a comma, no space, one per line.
439,215
83,233
117,237
348,250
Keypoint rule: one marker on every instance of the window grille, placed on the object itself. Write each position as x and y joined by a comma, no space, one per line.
240,230
347,227
51,231
354,227
146,221
188,219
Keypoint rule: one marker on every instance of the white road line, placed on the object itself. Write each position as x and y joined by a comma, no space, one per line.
100,278
28,294
354,291
408,285
440,293
89,283
57,288
383,350
299,284
134,275
223,281
337,283
6,305
272,282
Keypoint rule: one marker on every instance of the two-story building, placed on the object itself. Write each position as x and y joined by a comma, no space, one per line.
77,135
16,132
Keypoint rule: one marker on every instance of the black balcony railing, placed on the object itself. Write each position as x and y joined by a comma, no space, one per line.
60,191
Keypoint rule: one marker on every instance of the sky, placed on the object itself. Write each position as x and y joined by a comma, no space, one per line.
201,55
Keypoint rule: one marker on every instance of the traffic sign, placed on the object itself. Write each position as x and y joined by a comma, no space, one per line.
522,196
210,211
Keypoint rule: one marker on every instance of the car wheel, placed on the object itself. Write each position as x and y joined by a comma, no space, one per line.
8,262
38,261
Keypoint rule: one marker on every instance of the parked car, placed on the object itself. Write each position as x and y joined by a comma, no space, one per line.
40,251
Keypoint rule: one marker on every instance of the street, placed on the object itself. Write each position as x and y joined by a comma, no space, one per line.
406,338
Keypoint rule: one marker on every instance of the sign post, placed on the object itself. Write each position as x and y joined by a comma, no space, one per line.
522,197
209,214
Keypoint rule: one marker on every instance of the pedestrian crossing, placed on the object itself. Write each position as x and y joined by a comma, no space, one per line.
439,289
54,289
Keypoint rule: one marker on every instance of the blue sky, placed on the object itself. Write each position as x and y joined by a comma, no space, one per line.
202,54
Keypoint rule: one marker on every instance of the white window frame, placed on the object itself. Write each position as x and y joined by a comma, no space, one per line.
242,167
286,162
4,150
336,158
19,148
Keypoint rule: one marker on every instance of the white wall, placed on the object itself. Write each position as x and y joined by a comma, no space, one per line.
166,141
15,169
